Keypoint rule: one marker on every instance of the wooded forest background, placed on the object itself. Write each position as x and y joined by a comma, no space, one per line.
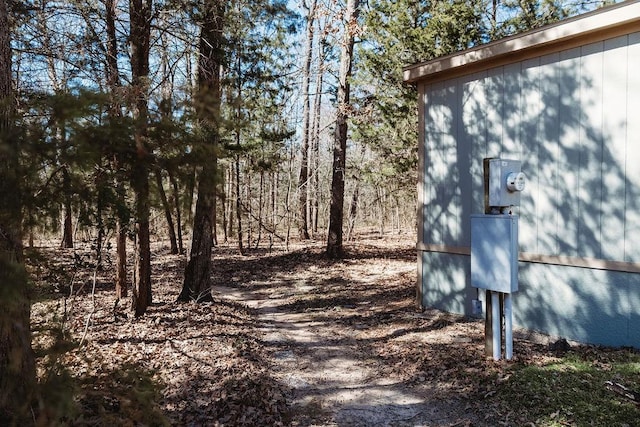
204,122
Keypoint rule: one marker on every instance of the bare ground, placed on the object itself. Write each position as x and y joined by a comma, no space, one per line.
292,338
326,325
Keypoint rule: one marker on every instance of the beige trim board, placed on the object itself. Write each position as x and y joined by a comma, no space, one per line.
454,250
569,261
583,262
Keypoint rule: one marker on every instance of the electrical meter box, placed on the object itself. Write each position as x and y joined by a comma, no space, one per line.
506,181
494,252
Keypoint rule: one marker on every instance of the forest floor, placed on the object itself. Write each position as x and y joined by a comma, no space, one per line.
291,338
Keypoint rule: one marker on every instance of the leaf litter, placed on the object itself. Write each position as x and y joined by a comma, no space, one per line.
291,338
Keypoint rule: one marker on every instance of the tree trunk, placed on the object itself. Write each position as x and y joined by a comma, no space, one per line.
238,204
223,208
166,113
115,113
67,227
303,180
176,203
287,198
141,295
315,137
99,179
197,278
140,34
382,201
191,188
248,207
17,364
214,232
260,202
101,182
167,212
353,210
57,125
274,204
121,261
494,17
334,241
230,200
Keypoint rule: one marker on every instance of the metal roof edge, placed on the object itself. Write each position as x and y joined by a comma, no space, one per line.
580,26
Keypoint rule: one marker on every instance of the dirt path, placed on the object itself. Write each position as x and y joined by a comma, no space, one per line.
331,383
323,331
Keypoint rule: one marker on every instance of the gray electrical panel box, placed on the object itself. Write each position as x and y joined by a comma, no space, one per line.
506,181
494,252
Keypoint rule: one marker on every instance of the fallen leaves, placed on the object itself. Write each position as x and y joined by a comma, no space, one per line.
210,364
194,363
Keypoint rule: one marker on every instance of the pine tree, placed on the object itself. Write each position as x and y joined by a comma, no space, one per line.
525,15
17,365
400,33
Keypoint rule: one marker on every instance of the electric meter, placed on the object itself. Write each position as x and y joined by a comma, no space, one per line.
506,182
515,181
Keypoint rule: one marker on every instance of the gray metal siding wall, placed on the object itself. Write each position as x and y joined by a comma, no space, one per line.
595,306
572,118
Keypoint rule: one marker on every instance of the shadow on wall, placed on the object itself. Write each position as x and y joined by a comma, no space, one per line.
564,115
445,283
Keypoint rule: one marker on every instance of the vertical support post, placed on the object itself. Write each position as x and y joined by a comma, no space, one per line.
496,324
508,327
489,318
488,324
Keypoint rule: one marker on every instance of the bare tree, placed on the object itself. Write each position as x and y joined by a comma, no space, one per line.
314,156
336,212
303,181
